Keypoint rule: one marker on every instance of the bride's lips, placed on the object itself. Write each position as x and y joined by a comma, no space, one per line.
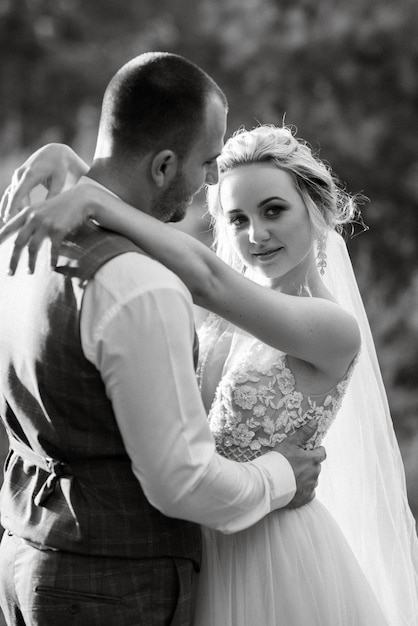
266,254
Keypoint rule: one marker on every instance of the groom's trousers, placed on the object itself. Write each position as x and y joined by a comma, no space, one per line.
54,588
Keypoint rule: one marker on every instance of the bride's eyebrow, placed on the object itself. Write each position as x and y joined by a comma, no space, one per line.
263,202
259,205
232,211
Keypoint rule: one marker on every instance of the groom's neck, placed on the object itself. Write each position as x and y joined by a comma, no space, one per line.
127,183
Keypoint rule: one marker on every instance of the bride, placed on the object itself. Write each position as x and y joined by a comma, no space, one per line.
280,347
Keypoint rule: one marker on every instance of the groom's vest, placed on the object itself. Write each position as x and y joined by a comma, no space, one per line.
68,481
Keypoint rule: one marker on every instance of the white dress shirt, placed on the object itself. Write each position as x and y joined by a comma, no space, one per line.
137,329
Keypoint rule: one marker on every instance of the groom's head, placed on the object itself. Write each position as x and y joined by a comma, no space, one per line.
162,126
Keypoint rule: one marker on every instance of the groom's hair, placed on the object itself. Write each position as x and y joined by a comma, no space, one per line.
154,102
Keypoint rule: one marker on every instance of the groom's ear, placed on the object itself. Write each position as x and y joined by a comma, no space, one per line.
164,167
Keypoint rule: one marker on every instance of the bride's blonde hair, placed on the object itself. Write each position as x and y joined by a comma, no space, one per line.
328,205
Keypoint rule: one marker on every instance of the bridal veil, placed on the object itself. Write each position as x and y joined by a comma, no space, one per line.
363,482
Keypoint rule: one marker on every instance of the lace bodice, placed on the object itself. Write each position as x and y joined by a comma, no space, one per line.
257,403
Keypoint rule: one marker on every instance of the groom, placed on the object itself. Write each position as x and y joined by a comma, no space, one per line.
110,448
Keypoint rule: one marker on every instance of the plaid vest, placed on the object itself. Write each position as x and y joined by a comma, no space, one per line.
68,482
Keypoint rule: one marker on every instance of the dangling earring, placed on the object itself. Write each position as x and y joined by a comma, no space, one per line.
321,255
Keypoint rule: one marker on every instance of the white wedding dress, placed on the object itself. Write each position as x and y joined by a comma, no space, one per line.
294,567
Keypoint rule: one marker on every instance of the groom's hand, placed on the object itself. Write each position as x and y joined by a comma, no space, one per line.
306,464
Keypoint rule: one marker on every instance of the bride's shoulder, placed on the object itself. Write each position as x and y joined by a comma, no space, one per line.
339,339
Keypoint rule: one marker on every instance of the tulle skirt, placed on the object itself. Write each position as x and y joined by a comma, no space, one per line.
293,568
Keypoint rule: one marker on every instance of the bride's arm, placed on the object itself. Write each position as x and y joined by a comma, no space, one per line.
312,329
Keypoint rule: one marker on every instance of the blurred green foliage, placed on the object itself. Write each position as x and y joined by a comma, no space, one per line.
345,74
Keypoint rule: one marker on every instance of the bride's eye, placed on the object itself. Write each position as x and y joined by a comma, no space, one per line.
237,220
274,210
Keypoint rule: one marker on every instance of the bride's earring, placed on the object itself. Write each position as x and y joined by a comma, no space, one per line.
321,255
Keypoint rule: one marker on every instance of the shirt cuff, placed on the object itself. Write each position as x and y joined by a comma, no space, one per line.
280,476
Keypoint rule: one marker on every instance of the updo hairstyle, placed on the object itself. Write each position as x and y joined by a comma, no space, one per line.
328,205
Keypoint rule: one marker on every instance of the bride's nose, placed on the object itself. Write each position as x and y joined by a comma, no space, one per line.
258,232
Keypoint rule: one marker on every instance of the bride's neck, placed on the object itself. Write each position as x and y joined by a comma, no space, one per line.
302,280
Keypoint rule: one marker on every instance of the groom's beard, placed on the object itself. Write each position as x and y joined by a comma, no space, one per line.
172,205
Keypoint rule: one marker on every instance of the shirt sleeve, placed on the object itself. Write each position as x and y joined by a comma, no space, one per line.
137,329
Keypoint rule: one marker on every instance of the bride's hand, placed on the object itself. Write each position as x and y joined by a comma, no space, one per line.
53,166
52,218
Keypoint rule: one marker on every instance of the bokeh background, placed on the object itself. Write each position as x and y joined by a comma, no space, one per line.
345,74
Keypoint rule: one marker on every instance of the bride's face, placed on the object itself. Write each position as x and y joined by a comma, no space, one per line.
267,221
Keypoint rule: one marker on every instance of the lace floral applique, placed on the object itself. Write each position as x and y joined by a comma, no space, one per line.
257,406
